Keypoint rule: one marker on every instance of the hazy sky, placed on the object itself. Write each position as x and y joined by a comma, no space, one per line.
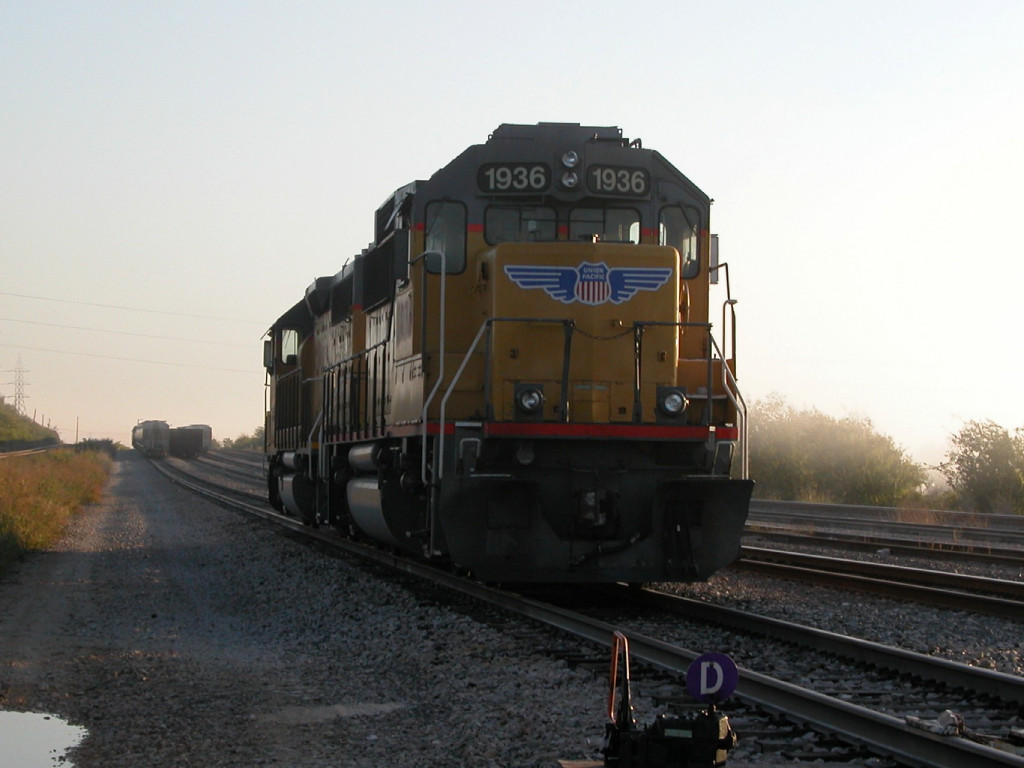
173,175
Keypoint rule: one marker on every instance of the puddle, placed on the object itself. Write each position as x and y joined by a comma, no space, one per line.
31,740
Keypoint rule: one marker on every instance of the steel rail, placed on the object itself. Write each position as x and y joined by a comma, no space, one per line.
1008,688
232,501
883,734
871,543
959,581
252,464
944,598
33,451
228,468
952,532
945,517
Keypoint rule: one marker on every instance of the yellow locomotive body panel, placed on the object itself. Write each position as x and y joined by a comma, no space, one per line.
561,324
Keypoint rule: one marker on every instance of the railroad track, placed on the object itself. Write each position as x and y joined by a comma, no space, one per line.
1009,689
878,731
223,479
248,460
869,542
937,528
31,451
234,468
996,597
936,517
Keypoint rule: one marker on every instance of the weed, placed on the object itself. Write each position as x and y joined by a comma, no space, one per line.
40,494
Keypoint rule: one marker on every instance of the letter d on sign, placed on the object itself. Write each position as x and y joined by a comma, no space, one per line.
712,677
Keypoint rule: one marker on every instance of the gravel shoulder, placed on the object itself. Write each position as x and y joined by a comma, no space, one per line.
182,634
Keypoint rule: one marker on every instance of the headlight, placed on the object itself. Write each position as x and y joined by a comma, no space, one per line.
529,399
570,179
672,402
570,159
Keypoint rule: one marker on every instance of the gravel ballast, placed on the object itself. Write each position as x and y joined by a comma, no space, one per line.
183,634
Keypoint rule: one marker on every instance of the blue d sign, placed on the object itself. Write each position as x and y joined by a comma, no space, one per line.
712,677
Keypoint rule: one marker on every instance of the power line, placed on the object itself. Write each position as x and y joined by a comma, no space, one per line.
126,333
128,359
129,309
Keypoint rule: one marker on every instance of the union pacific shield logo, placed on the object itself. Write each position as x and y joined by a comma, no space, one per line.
589,283
593,287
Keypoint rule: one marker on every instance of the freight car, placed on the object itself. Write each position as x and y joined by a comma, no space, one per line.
207,435
186,442
518,377
152,438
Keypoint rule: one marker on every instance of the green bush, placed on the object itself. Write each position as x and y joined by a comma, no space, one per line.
809,456
985,468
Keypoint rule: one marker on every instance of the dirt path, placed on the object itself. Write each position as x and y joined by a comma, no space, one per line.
113,631
182,634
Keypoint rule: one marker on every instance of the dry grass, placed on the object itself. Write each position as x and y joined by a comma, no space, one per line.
40,494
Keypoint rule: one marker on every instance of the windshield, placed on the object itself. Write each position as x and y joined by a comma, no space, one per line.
517,224
618,225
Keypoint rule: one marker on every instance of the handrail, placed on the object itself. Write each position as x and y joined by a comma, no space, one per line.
729,302
441,334
316,428
732,391
741,413
620,711
729,383
369,419
486,326
288,408
438,468
638,334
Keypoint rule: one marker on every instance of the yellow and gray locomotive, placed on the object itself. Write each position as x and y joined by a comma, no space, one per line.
518,377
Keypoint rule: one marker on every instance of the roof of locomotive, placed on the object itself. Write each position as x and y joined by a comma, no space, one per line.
297,317
547,144
571,132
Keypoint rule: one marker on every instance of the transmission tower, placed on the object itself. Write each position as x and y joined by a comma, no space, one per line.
19,388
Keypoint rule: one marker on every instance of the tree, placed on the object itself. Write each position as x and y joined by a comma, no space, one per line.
985,468
253,442
809,456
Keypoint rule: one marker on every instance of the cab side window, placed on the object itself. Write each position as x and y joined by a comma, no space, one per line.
445,231
289,346
678,227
